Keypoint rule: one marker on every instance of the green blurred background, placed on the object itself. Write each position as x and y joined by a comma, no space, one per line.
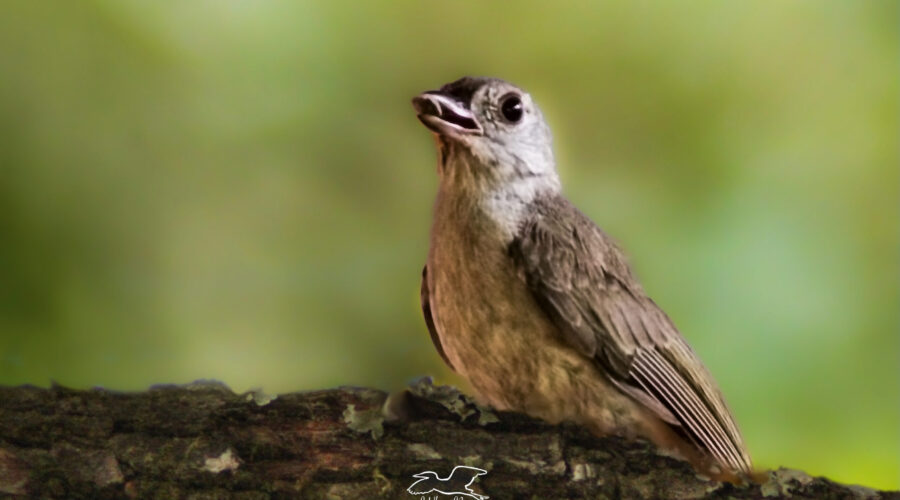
239,190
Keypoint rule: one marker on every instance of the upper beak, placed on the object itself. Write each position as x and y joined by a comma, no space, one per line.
444,114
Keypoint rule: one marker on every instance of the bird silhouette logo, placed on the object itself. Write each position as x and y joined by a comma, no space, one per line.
457,483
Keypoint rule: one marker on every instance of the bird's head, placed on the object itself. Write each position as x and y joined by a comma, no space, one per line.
488,129
426,475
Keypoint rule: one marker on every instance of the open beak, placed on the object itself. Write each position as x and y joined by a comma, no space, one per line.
445,115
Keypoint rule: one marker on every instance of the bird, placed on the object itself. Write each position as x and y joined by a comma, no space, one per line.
459,482
534,305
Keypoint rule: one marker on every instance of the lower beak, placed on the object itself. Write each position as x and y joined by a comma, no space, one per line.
445,115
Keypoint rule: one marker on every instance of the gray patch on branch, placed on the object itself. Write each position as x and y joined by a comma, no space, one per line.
366,421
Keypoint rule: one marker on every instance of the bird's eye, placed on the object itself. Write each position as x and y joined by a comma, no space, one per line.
511,107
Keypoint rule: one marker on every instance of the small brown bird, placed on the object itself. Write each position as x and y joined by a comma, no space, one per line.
535,306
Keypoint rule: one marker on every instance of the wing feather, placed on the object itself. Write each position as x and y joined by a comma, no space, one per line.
425,301
583,282
649,365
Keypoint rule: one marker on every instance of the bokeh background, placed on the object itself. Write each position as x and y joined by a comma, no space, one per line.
239,190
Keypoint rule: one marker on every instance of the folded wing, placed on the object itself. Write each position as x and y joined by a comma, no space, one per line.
583,282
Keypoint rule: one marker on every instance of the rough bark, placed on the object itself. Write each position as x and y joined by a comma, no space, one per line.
203,441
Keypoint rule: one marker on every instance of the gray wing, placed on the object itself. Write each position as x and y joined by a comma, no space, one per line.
583,282
425,300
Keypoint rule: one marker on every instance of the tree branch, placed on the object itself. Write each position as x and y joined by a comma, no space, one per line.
204,441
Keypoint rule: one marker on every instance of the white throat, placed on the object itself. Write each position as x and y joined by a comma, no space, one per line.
501,191
507,204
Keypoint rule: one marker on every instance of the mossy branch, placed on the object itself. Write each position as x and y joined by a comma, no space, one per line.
204,441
